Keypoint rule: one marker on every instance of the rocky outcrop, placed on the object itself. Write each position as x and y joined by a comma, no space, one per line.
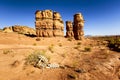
76,29
48,24
69,29
20,29
58,25
78,25
7,29
44,23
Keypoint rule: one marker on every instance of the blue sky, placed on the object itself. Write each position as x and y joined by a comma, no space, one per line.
102,17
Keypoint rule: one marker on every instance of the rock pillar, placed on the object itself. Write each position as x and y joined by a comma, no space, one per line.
58,26
69,29
48,24
44,23
78,25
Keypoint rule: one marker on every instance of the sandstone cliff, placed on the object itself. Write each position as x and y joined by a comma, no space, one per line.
48,24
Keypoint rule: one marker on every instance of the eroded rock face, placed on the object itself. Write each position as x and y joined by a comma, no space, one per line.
20,29
48,24
7,29
69,29
78,26
58,25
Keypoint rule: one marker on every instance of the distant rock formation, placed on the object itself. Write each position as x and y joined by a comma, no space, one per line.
48,24
69,29
20,29
78,25
76,29
7,29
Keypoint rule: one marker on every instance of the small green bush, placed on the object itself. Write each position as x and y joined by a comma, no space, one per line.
6,51
79,43
34,44
51,48
60,44
114,44
32,59
87,49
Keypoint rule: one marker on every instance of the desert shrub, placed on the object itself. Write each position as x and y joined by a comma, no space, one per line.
60,44
79,43
6,51
87,49
32,59
76,47
51,48
34,44
114,44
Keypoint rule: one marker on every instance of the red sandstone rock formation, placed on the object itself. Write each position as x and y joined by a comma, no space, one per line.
78,26
48,24
58,25
69,29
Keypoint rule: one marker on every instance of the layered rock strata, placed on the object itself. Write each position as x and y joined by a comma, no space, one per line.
69,29
48,24
78,25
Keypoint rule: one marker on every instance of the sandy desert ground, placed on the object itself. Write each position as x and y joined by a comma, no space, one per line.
97,63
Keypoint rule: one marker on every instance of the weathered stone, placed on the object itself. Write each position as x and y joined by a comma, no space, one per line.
58,25
47,14
38,15
58,33
20,29
70,34
23,30
48,23
78,18
7,29
56,15
78,26
69,29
